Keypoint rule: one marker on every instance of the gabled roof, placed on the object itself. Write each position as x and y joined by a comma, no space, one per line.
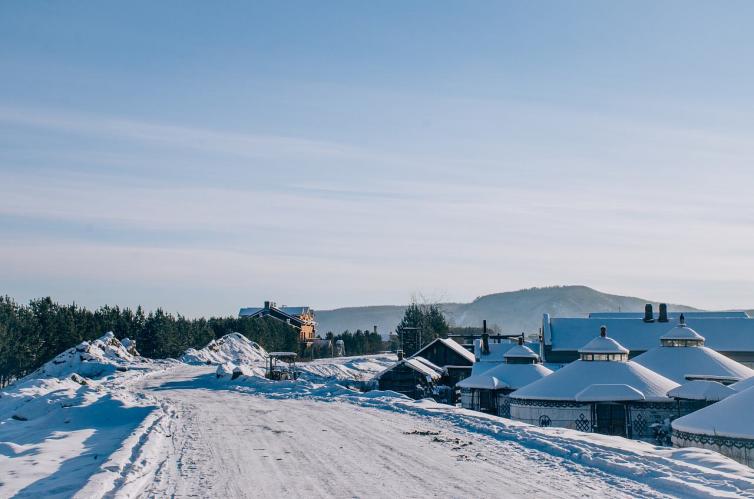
702,390
565,383
677,363
728,418
724,334
418,364
456,347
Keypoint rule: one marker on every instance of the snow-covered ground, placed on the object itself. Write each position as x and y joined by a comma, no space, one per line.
157,429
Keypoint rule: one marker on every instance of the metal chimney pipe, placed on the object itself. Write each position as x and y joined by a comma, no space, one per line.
663,313
649,316
485,338
400,355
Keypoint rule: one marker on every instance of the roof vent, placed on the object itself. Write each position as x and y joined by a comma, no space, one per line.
648,314
603,331
521,340
682,320
663,313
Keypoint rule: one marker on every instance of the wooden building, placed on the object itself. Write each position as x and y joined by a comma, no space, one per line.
415,377
301,318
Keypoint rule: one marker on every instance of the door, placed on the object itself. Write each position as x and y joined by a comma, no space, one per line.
611,419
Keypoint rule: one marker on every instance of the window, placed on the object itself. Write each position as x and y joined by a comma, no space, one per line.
614,357
682,343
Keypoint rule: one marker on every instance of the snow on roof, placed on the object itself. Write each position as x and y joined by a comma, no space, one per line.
418,364
701,390
516,376
429,364
497,350
724,334
678,362
567,382
453,345
682,332
743,384
603,344
608,393
728,418
520,352
482,381
671,315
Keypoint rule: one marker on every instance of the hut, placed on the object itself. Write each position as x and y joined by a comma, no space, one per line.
602,392
724,427
698,394
415,377
682,356
488,391
449,355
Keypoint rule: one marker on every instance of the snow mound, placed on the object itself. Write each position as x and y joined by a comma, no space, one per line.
232,348
94,359
348,368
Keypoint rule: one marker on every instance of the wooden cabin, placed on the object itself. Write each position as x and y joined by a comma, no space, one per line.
415,377
301,318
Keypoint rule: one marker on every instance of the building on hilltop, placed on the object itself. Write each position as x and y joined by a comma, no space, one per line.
301,318
729,333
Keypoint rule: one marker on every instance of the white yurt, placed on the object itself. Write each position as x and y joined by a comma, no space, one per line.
682,356
724,427
602,392
488,391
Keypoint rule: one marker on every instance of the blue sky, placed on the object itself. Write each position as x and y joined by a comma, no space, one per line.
204,157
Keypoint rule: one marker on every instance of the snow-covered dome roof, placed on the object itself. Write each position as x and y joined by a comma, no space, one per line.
678,362
482,381
521,352
743,384
516,376
603,344
572,379
727,418
682,332
609,393
700,389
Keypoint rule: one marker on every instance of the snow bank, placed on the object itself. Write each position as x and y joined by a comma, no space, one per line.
94,359
232,348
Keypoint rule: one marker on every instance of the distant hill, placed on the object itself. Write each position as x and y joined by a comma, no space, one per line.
509,312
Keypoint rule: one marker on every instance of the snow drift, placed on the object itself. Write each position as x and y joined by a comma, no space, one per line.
233,348
94,359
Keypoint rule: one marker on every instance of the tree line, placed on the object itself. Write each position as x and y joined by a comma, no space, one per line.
33,334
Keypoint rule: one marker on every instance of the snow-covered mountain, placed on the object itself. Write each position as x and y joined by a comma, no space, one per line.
511,312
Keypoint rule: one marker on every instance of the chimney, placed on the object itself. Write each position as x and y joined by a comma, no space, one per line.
682,320
649,316
603,331
521,340
663,313
485,339
400,355
375,329
267,304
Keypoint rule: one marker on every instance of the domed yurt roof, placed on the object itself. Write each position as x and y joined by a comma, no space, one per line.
603,344
520,352
702,389
612,376
728,418
682,332
677,363
516,376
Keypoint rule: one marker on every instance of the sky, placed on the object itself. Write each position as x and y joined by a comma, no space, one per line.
203,156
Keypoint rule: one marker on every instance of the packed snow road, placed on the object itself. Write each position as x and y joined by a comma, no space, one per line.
225,443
